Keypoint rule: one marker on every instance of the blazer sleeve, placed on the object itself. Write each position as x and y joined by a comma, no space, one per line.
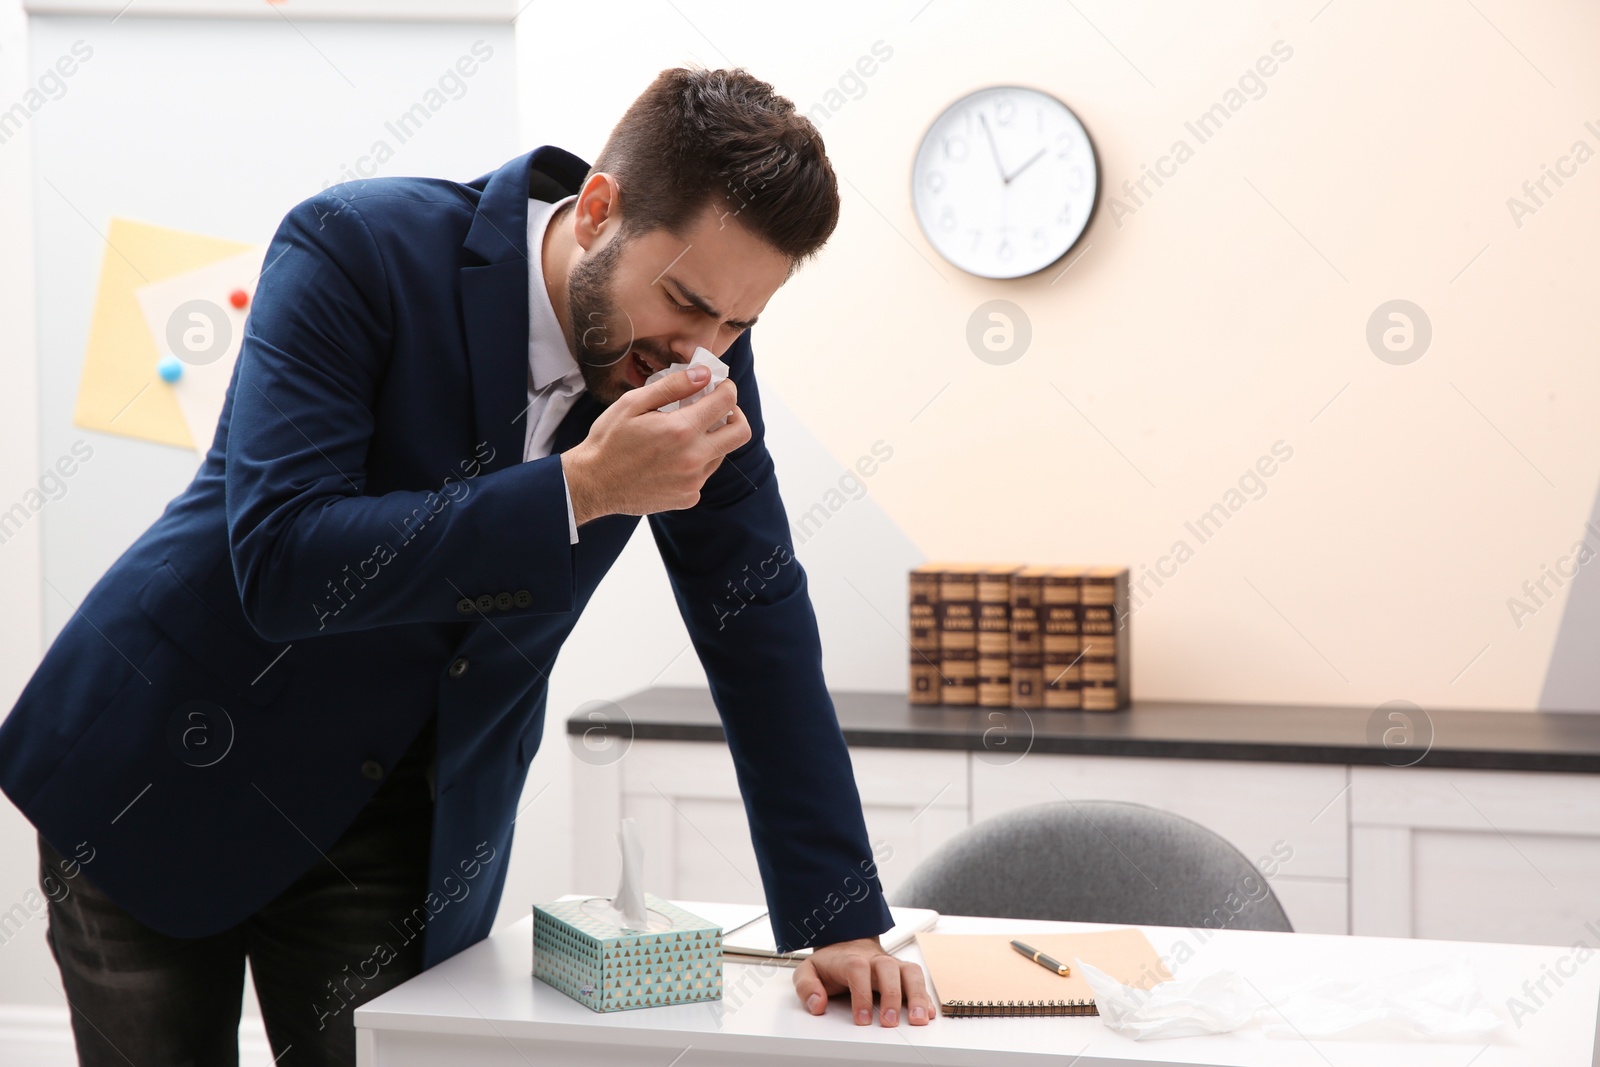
312,552
743,596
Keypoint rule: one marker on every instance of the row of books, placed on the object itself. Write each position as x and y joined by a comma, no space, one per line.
1009,635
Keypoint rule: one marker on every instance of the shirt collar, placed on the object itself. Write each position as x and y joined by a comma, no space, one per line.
549,358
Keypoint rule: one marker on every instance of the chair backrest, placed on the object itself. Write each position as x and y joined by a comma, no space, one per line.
1095,861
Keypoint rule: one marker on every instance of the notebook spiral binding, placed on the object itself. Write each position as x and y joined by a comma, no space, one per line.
970,1008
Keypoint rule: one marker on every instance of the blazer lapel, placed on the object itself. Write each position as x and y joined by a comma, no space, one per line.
494,292
575,426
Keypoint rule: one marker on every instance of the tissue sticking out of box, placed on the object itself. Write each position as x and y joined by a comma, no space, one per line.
629,910
630,890
702,358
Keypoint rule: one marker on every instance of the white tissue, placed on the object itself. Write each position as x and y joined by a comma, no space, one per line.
630,891
702,358
1438,1002
1213,1004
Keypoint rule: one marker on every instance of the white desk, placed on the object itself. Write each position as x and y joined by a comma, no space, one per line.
484,1007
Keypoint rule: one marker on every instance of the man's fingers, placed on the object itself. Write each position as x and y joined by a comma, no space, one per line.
886,972
732,436
914,988
810,989
859,975
706,412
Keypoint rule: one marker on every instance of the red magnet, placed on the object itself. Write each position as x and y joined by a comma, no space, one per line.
238,298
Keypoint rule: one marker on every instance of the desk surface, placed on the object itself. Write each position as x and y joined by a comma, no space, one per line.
1292,733
484,1007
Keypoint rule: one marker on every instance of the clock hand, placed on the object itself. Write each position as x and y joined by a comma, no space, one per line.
1007,177
993,149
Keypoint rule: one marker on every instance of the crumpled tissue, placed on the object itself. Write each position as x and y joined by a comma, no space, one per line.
1441,1001
1438,1002
702,358
1213,1004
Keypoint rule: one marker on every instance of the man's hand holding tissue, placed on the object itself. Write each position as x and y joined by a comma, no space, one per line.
861,966
638,461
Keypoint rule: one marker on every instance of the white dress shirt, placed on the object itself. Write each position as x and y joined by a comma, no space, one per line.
554,378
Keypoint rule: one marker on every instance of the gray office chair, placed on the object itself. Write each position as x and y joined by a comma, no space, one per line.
1095,861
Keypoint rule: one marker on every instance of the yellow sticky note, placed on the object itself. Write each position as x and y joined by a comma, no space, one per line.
120,391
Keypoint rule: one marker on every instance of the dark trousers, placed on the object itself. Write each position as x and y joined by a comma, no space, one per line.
141,997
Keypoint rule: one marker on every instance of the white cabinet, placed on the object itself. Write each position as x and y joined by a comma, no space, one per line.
1407,852
686,798
1262,809
1475,855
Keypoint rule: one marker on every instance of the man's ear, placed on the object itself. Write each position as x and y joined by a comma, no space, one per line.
597,210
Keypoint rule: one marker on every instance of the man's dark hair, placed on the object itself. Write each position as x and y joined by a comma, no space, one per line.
722,138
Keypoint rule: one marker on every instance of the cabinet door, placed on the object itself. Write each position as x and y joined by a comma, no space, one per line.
1475,855
686,797
1262,809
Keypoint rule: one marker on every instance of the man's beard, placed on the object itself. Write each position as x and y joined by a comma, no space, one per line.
602,333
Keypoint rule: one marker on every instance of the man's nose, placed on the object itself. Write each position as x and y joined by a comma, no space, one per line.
683,347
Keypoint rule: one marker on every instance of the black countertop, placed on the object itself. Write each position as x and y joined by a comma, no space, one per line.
1284,733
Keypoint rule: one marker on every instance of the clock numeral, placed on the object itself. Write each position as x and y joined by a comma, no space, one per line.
935,181
1075,180
1039,114
977,238
1005,110
947,218
955,148
1065,218
1004,251
1039,239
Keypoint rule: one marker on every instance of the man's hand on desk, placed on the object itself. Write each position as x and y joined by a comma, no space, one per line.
862,966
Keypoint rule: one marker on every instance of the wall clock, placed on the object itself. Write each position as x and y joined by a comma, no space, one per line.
1005,181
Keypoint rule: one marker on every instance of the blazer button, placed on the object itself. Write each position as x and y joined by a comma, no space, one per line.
486,602
523,598
372,769
458,668
464,605
503,601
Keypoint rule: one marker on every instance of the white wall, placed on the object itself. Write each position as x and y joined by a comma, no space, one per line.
21,625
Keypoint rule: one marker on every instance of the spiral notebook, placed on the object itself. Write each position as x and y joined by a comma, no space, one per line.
981,974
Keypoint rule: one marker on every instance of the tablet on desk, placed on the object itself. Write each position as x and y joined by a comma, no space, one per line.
747,935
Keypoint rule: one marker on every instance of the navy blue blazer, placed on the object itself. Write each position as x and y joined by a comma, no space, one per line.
362,549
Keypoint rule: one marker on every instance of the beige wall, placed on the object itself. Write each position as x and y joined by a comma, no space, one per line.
1204,322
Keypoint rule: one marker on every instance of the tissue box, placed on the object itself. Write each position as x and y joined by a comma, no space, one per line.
611,968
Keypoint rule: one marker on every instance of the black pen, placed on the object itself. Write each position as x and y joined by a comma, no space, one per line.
1041,959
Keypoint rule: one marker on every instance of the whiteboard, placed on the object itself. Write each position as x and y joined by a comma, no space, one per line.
216,127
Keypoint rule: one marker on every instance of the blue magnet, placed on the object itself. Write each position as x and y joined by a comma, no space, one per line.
170,368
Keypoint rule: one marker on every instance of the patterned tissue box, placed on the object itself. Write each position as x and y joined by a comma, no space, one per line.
610,967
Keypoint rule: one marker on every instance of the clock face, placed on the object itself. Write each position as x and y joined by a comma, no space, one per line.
1004,182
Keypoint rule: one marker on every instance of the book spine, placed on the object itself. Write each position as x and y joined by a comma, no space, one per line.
1105,641
1027,648
994,640
925,677
958,637
1059,601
